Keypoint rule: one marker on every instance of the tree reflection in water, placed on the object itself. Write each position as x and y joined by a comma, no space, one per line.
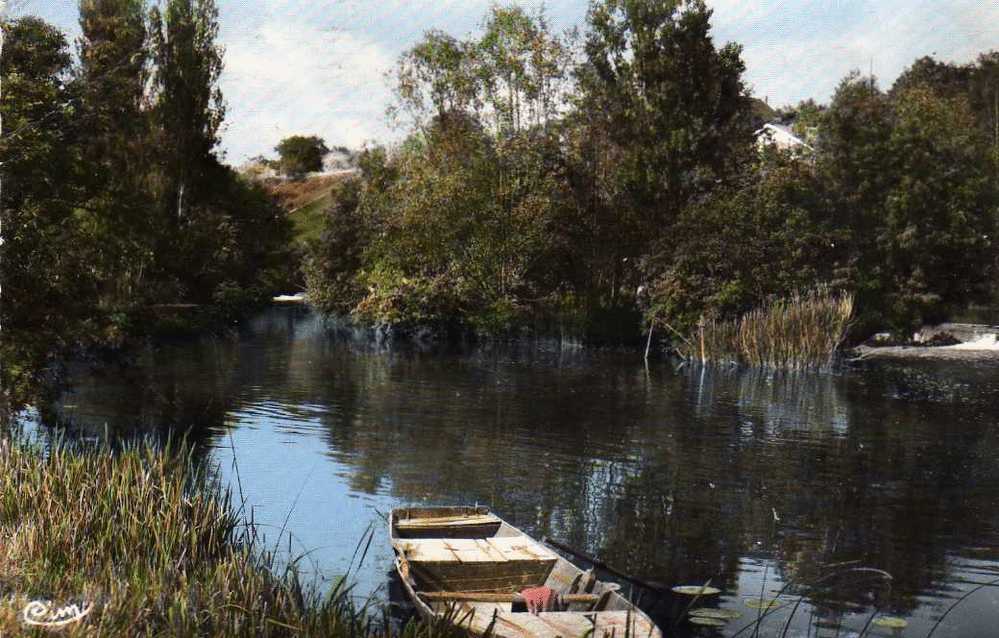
676,476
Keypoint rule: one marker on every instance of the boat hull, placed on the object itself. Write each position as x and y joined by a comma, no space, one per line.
467,566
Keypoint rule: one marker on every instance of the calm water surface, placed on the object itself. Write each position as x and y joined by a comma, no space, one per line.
753,481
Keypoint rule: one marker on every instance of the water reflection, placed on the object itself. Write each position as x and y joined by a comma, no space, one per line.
755,481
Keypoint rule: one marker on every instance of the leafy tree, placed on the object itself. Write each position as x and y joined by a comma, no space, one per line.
663,116
459,240
300,155
113,75
948,80
48,295
435,78
522,67
671,101
907,172
332,265
188,106
765,233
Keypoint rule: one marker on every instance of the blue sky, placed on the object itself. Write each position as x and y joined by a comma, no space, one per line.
318,66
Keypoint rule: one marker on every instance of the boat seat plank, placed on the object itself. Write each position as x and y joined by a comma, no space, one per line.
446,521
521,548
472,550
566,624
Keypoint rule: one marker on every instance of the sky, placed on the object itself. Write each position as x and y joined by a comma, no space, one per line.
318,67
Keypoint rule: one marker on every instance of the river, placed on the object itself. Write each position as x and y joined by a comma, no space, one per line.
673,474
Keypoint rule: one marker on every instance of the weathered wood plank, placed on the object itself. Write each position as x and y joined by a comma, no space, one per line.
488,597
446,521
566,624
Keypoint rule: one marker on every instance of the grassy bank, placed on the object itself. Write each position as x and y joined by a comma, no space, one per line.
153,546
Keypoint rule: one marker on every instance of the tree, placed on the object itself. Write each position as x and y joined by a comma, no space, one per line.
512,79
48,295
908,173
674,104
187,110
113,76
664,117
767,232
189,107
300,155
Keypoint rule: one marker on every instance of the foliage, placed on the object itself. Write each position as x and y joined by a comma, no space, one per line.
907,174
513,205
46,288
464,222
455,227
767,232
669,100
547,186
114,200
894,205
510,80
148,537
335,259
300,155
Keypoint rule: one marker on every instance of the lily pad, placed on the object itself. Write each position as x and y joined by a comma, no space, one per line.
696,590
756,603
718,614
891,622
706,622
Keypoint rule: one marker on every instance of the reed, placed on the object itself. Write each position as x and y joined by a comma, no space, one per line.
800,332
156,546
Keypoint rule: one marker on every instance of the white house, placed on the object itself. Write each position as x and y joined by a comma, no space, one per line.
781,136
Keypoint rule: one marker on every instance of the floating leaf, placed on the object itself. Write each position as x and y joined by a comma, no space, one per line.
719,614
696,590
756,603
707,622
892,622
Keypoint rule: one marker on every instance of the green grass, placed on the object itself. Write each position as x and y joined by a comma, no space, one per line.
308,220
158,549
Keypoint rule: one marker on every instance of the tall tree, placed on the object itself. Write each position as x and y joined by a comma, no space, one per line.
511,79
113,78
909,175
188,110
47,295
664,116
189,107
674,103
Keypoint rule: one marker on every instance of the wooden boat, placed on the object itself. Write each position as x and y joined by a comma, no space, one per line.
467,566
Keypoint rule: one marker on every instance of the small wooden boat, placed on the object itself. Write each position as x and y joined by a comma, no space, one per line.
468,566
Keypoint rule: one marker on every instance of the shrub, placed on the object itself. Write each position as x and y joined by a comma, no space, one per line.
803,331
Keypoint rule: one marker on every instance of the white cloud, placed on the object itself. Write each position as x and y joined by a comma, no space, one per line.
285,77
795,50
317,66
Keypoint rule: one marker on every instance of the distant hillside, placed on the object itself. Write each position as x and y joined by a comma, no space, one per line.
307,200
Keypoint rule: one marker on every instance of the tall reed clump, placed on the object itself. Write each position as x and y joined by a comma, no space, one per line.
154,545
800,332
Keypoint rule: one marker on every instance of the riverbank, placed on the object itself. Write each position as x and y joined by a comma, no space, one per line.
140,541
960,342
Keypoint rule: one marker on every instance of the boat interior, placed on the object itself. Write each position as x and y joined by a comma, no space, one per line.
471,559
